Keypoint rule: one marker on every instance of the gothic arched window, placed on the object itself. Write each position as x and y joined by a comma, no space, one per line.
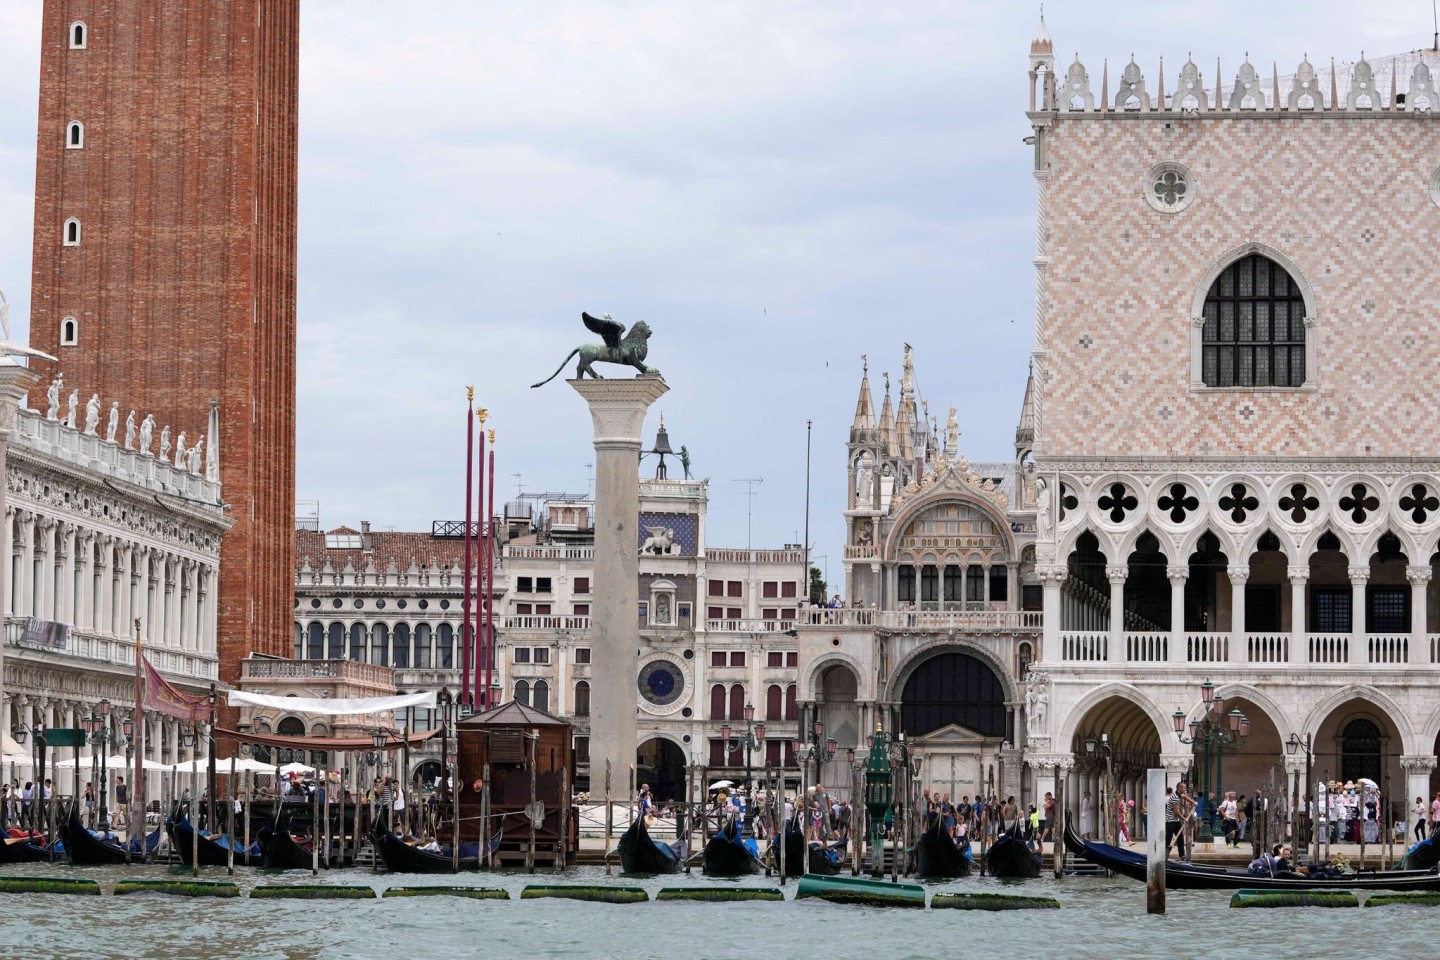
1254,329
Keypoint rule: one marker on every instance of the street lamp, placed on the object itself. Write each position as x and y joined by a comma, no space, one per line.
751,739
1217,730
98,726
879,794
1293,746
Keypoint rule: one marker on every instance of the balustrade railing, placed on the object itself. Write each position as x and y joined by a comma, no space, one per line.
749,625
1329,647
1146,647
1207,647
1088,647
1388,648
545,622
921,619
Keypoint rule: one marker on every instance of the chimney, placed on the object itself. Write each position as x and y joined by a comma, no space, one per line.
367,542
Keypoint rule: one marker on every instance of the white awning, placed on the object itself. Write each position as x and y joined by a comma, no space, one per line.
331,706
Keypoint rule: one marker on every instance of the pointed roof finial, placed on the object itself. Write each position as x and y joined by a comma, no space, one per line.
1041,45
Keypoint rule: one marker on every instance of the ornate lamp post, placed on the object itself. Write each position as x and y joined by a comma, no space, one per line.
751,739
446,702
1217,730
100,731
1293,746
879,794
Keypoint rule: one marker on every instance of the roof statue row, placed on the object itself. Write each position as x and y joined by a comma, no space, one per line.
1350,87
192,459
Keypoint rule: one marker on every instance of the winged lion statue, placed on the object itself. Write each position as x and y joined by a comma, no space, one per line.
619,347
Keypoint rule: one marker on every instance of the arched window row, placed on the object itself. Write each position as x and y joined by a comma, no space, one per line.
424,647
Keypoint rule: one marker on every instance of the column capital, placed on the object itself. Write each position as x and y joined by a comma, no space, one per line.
1297,574
1177,762
1418,764
1238,574
1117,573
618,406
1418,575
1052,575
1359,574
1177,573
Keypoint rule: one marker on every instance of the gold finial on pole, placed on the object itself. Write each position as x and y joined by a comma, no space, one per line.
470,393
492,436
482,413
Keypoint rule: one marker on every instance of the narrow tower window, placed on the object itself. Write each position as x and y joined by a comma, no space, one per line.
72,232
74,135
69,332
79,36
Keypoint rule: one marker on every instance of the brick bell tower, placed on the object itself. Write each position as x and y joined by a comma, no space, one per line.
165,247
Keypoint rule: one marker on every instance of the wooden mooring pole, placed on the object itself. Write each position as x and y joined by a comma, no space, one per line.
1155,847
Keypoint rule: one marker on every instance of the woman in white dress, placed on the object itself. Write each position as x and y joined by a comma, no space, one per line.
1087,816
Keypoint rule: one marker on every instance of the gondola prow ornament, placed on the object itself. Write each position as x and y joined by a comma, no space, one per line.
619,347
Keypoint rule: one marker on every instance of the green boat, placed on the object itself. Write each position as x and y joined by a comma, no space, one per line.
875,893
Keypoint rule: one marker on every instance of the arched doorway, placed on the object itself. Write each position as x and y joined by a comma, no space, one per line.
1358,739
837,692
952,707
1360,753
1114,744
426,773
661,764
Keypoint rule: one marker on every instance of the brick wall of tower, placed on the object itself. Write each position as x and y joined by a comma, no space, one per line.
183,283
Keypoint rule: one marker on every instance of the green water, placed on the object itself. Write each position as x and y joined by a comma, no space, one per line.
1100,918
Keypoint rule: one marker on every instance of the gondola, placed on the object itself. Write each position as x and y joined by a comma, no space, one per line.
728,855
23,849
816,858
936,855
84,848
1009,857
1423,855
280,851
403,857
1194,876
641,853
213,848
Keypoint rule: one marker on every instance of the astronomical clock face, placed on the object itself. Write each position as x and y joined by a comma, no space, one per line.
661,682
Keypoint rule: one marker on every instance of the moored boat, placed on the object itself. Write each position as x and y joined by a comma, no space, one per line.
23,849
641,853
213,848
1193,876
402,856
1009,857
85,848
281,851
727,854
936,855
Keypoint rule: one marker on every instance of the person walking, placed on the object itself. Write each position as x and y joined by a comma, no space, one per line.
1419,811
1174,822
1230,819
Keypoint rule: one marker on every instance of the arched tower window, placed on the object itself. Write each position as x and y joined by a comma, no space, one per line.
72,233
522,692
1254,327
69,332
582,698
79,35
540,696
74,135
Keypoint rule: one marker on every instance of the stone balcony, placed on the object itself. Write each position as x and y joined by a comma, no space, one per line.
1015,621
1339,651
87,650
310,671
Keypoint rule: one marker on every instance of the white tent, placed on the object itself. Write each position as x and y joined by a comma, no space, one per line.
116,762
290,768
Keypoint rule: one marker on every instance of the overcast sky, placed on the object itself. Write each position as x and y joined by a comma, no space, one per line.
776,188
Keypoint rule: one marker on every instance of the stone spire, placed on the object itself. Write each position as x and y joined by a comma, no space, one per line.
1025,429
863,427
887,422
1041,45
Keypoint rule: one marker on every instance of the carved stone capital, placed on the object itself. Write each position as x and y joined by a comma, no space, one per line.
1117,573
1177,762
1052,575
1418,764
1359,574
1177,573
1297,574
1238,574
1418,575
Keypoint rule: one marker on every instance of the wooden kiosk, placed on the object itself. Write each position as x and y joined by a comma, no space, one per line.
531,760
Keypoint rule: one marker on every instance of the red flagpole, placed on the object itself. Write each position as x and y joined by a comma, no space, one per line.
490,576
465,601
482,695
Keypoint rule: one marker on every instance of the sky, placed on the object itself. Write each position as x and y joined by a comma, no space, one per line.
775,187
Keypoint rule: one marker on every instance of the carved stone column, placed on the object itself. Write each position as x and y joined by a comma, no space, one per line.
1117,574
617,408
1299,577
1051,579
1239,577
1417,784
25,602
46,556
84,609
7,562
1178,575
1359,648
1419,578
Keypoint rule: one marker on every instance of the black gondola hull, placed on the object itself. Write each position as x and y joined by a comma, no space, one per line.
84,849
938,858
1191,876
401,857
1011,858
212,854
22,850
642,854
279,851
725,857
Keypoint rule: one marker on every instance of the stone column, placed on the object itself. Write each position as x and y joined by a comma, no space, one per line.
85,596
1417,784
1176,765
7,562
1239,576
1178,575
1117,575
1359,579
1299,576
1419,578
1051,579
67,601
617,408
25,600
45,609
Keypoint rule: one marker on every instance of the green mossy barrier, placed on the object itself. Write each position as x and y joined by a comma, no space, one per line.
83,888
179,888
593,894
295,891
1294,898
857,890
473,893
991,901
719,894
1414,899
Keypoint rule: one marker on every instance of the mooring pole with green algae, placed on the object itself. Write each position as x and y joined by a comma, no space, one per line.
609,821
564,816
1156,847
194,809
247,792
532,810
315,831
230,808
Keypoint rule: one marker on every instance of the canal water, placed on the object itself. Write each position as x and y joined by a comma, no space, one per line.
1100,918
